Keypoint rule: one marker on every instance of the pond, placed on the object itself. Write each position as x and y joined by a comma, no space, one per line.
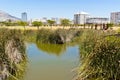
51,62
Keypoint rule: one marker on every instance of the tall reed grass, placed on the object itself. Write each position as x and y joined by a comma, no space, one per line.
59,36
100,56
12,54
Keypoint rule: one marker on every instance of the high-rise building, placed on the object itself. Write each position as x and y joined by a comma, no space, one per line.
24,16
80,18
115,18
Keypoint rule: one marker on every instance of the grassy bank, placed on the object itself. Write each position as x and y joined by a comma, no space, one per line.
59,36
12,54
100,56
99,50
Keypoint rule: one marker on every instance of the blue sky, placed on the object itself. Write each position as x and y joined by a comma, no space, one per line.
59,8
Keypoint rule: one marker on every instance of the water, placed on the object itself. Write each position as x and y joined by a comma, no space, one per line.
51,62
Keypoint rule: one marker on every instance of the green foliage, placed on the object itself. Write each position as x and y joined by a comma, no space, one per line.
37,23
65,22
22,23
59,36
88,40
13,23
110,24
51,22
6,23
30,36
100,57
43,35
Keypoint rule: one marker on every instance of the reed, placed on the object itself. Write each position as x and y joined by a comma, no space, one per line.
100,56
59,36
12,54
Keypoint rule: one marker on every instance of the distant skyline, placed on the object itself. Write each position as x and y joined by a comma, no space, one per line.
59,8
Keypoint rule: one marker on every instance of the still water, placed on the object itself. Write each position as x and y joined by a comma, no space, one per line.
51,62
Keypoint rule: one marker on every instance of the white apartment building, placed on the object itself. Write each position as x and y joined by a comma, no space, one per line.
115,17
97,20
43,20
80,18
57,20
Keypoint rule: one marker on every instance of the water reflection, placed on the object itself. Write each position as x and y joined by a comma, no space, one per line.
45,65
51,48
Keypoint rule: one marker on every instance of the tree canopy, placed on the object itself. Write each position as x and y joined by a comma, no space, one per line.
65,22
22,23
51,22
37,23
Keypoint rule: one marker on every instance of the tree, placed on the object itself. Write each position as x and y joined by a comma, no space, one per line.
51,22
22,23
37,24
65,22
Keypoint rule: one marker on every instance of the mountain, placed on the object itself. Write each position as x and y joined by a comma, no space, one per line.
5,17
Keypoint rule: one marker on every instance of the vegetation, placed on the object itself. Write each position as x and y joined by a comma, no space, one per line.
100,56
8,23
65,22
51,22
110,25
30,36
99,50
59,36
15,23
12,54
88,40
37,24
22,23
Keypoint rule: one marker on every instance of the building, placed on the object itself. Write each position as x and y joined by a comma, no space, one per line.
115,17
97,20
24,16
57,21
43,20
80,18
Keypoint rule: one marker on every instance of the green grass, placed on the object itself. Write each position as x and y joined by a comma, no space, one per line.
100,55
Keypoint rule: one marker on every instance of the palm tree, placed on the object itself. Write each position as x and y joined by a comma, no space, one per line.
37,24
